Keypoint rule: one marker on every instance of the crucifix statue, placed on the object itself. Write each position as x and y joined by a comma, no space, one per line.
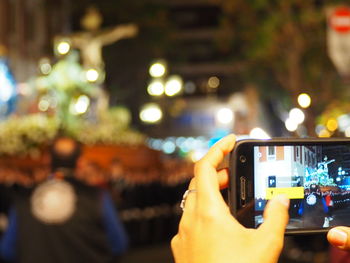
91,41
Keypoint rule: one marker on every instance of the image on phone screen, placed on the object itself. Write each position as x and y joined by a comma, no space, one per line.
316,178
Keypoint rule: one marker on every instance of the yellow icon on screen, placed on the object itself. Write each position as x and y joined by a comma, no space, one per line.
290,192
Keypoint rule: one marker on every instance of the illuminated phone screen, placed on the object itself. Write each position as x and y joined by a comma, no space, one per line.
316,178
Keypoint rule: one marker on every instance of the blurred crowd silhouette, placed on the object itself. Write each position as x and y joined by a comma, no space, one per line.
146,206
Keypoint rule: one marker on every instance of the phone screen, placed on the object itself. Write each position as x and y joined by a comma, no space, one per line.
316,178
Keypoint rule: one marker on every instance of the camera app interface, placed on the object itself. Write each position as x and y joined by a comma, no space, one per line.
315,178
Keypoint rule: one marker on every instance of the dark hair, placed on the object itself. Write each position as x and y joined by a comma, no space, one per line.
64,158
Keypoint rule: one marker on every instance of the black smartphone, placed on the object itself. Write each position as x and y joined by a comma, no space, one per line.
313,173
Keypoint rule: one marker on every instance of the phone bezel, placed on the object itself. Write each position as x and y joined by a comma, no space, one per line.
246,170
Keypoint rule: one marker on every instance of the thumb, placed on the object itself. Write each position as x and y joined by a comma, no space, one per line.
276,219
339,237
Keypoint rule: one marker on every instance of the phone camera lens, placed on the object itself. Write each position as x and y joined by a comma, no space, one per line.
242,158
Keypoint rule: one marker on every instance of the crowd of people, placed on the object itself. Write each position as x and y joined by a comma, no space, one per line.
144,209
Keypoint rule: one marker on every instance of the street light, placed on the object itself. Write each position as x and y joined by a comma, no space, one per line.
155,88
297,115
304,100
173,85
151,113
80,105
225,116
63,46
332,124
92,75
157,69
291,125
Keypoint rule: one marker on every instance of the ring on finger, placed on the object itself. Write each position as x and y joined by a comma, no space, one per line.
184,197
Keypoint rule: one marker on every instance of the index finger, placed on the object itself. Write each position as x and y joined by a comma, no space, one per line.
207,183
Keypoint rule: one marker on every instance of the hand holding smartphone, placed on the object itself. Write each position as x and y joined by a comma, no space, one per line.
313,173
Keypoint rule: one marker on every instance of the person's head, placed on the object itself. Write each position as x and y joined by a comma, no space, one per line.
313,188
65,153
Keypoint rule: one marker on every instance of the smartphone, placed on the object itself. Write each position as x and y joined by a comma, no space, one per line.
313,173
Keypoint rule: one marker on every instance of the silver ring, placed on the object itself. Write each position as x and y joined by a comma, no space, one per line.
184,197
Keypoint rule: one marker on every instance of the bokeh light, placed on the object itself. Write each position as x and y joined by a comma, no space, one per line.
304,100
319,128
189,87
213,82
7,88
44,104
225,116
343,122
258,133
151,113
24,89
324,134
297,115
332,124
155,88
168,147
80,106
291,125
45,66
63,47
157,69
173,86
92,75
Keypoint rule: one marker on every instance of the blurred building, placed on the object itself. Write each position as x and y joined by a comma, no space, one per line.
27,28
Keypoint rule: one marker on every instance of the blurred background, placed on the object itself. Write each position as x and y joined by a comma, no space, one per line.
148,86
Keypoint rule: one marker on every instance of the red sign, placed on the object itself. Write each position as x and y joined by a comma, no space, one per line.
340,19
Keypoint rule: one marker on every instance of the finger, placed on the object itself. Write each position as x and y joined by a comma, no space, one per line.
339,237
190,201
217,152
188,213
223,178
207,183
275,219
175,243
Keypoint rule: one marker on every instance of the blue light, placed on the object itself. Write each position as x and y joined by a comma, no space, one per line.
218,135
7,89
169,147
180,141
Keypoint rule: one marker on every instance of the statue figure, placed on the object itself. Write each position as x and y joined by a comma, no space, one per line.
91,41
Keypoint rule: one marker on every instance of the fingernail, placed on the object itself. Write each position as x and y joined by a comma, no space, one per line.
283,199
338,237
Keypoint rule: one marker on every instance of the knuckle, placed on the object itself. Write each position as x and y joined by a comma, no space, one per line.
198,166
210,214
174,242
184,228
192,184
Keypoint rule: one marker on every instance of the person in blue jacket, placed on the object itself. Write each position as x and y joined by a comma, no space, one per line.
63,219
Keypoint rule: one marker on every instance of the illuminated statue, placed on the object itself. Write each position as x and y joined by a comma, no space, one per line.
91,41
319,176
